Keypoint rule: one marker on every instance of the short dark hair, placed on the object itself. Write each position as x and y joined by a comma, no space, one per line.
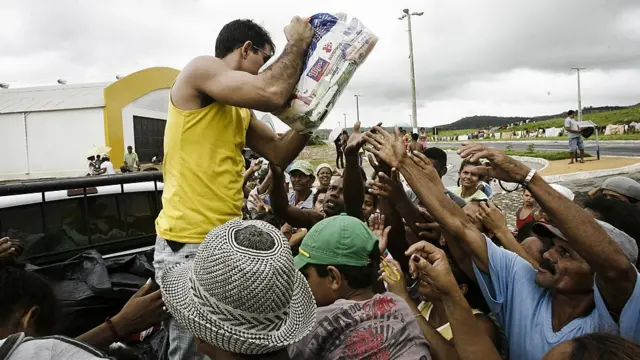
603,346
415,136
22,290
525,231
318,192
268,217
439,155
466,163
234,34
358,277
570,112
367,192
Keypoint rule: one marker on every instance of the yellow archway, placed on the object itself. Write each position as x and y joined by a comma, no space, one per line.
123,92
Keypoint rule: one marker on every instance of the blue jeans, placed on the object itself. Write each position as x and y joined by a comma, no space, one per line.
181,341
576,143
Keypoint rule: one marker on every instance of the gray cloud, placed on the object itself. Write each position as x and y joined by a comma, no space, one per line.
468,54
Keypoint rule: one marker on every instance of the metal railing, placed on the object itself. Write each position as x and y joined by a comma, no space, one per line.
82,186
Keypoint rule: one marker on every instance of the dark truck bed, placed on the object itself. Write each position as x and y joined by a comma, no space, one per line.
92,237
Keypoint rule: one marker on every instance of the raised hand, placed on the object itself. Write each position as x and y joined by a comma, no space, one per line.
356,126
299,31
388,147
355,142
258,203
378,165
492,218
377,226
431,265
425,164
256,164
389,186
502,167
431,229
391,273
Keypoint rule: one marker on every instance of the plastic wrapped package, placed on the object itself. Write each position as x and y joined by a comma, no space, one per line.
338,48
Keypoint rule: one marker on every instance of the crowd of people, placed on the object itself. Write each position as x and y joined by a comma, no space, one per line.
101,164
284,260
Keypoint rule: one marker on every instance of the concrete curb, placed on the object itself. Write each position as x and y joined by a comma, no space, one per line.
535,160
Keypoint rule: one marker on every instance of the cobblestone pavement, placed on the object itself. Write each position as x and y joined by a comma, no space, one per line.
510,202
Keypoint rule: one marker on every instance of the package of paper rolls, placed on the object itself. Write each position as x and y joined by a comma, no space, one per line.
338,48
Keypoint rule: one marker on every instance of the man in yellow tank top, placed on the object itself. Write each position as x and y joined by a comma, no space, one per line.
209,122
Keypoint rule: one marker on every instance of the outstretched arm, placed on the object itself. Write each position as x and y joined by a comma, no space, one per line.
615,275
426,183
470,339
352,178
296,217
266,91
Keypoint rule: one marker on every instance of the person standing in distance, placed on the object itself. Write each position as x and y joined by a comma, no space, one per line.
210,120
575,137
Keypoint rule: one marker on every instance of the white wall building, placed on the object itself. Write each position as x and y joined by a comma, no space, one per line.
47,131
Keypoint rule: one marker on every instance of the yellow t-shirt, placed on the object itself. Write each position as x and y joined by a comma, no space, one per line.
203,168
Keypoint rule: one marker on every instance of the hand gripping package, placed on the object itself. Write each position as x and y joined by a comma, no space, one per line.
338,48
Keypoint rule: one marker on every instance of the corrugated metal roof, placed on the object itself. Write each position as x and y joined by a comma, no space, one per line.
46,98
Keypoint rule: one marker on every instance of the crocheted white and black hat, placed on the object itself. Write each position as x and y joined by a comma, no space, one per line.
242,292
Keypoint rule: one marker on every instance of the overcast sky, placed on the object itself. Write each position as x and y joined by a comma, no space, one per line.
472,57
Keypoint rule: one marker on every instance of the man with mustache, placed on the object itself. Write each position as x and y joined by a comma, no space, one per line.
537,308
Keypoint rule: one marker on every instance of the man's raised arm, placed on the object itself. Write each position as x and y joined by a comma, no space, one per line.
615,275
426,183
267,91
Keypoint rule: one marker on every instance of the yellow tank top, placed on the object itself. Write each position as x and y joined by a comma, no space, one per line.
202,168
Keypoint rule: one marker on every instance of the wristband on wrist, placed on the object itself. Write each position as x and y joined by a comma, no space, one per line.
527,180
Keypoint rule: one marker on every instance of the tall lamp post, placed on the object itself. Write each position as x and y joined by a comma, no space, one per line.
345,120
577,69
357,107
407,14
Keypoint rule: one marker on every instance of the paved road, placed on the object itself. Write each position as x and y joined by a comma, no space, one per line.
606,148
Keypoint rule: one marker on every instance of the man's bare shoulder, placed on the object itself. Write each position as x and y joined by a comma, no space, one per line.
203,65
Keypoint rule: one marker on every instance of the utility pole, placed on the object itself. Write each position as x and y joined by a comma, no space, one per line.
357,107
345,120
408,15
577,69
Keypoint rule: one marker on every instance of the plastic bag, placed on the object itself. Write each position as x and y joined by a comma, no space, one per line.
338,48
90,288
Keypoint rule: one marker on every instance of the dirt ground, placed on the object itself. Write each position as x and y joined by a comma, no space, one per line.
606,162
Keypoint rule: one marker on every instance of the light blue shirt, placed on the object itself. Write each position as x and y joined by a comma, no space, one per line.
524,309
307,204
630,316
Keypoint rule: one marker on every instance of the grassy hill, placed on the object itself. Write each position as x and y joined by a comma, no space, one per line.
600,116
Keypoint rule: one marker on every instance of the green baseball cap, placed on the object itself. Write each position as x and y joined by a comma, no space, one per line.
303,166
338,240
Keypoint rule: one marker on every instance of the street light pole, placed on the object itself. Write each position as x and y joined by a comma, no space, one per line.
345,121
357,107
577,69
408,15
